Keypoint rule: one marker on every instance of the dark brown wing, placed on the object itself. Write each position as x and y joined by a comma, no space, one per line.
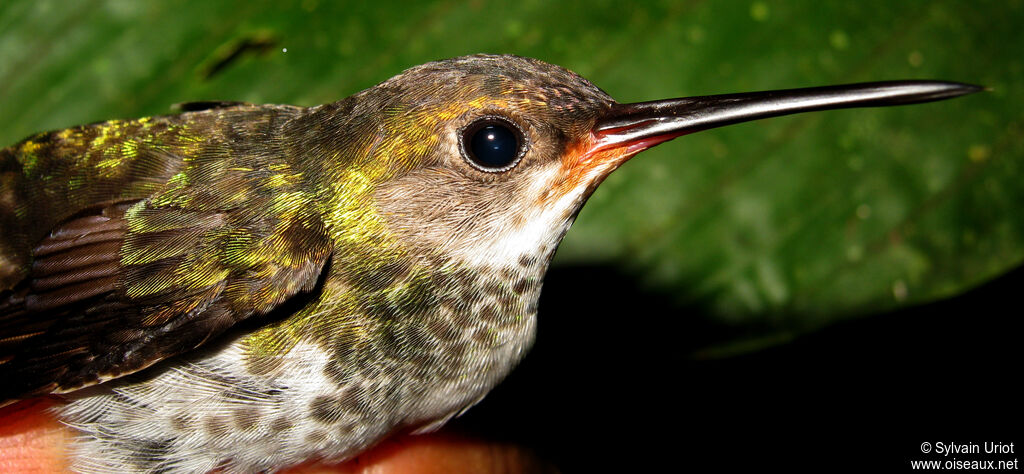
88,313
222,232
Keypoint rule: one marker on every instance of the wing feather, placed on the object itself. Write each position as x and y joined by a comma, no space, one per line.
157,259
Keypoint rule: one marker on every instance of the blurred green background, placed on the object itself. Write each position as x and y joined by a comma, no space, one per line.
772,228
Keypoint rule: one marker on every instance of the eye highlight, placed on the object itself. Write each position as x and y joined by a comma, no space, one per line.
492,144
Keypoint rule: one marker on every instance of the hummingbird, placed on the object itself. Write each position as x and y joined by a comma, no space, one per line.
243,287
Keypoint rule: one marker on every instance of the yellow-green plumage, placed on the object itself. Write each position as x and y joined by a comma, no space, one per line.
214,227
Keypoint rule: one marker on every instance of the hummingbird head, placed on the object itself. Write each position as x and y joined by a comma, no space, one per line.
487,159
502,178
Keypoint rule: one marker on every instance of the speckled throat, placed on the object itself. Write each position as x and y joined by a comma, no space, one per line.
424,346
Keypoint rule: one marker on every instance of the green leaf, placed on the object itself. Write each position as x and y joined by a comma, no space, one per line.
789,223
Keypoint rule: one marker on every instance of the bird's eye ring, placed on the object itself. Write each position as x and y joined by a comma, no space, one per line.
492,144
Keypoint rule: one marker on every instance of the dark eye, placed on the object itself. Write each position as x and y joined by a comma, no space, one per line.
493,144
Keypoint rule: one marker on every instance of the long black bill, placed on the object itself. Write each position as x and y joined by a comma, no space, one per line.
645,124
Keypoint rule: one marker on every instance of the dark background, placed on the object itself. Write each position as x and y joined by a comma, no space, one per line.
612,385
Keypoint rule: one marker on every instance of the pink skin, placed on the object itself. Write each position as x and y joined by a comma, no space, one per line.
32,440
